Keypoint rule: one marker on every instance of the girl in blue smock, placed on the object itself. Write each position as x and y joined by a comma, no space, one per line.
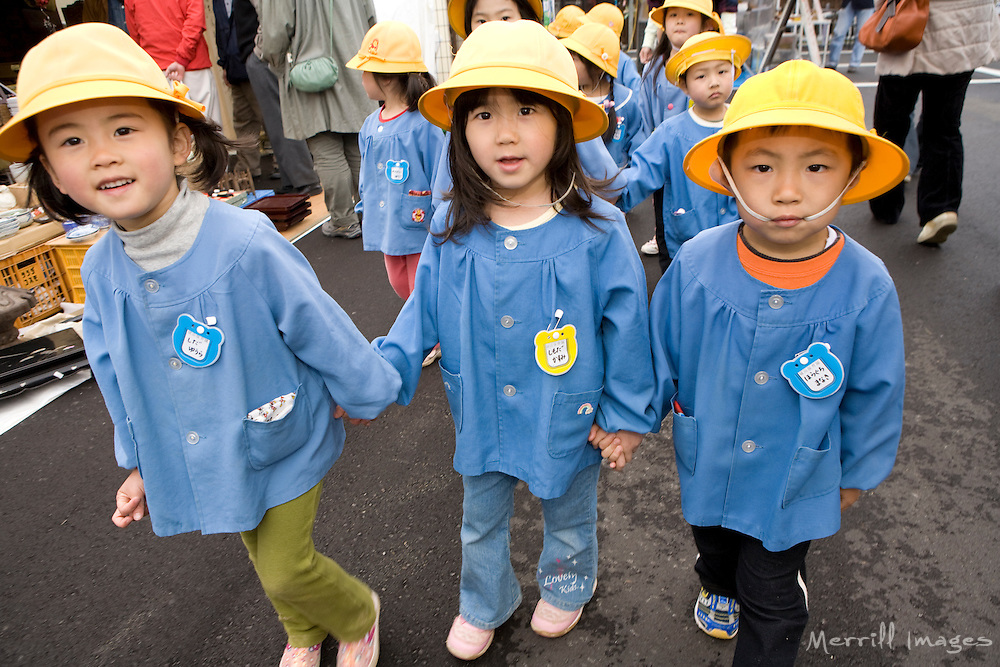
596,52
533,287
398,150
608,14
219,355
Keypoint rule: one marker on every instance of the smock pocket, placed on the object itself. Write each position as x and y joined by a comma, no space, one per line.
277,429
685,435
416,211
685,224
570,420
813,473
453,389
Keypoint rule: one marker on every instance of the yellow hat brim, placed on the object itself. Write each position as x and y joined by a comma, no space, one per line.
369,64
575,46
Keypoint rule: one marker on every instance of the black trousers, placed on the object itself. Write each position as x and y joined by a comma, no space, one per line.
664,256
942,156
769,585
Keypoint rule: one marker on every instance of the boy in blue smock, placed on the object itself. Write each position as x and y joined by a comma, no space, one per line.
704,69
778,351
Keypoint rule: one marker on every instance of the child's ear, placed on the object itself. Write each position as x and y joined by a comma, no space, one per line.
715,173
51,172
181,142
682,84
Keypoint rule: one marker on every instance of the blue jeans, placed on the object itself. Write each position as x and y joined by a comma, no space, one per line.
845,17
567,567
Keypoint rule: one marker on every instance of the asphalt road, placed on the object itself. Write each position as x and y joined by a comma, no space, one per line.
911,579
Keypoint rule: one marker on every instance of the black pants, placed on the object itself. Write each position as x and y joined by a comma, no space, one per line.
770,587
664,255
942,156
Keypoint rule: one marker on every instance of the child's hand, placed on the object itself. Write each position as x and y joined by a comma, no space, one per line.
848,497
340,412
131,501
618,448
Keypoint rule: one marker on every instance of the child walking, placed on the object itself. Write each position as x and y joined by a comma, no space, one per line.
533,286
778,351
704,69
596,51
218,353
399,149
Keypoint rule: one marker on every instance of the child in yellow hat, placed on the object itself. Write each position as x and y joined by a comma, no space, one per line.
596,54
778,351
216,349
608,15
534,289
704,70
566,21
399,149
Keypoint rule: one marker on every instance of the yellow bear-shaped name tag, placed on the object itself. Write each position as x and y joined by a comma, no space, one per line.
555,349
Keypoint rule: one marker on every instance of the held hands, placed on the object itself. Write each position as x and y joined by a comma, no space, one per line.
340,412
848,497
618,448
131,501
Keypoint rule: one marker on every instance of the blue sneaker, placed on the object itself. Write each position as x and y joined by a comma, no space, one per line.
717,615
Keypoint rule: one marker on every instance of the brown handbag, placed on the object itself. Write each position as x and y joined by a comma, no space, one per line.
896,26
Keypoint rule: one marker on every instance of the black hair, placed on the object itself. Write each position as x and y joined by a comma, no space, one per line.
524,8
470,195
855,144
211,157
411,84
596,73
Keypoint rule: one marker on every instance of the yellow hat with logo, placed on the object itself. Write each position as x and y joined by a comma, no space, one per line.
88,61
389,47
456,14
515,54
567,20
703,7
598,44
798,92
608,15
706,46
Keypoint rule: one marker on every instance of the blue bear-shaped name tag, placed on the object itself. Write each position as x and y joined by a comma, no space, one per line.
196,343
397,171
815,373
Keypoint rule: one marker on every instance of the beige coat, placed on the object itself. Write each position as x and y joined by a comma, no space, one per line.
961,35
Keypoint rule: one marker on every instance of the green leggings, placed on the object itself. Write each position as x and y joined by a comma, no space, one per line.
313,596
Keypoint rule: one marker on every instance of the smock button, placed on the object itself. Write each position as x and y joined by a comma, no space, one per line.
722,211
152,286
379,129
506,321
761,377
192,438
510,243
748,446
175,363
509,390
379,166
776,302
381,204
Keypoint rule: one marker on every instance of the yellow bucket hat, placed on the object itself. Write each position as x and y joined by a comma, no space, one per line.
798,92
598,44
88,61
389,47
706,46
515,54
609,15
456,14
703,7
567,20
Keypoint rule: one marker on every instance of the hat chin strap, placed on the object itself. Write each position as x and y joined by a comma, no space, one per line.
572,184
808,218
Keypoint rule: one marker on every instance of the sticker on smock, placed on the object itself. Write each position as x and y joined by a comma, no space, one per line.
397,171
814,373
555,347
196,343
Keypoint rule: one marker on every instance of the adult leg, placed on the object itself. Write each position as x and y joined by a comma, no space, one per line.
942,155
844,19
201,88
313,596
894,102
330,157
773,604
248,122
858,52
294,160
488,591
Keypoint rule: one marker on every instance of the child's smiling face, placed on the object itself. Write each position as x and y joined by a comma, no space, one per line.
115,157
680,24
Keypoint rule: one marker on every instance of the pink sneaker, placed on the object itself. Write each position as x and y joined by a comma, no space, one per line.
364,652
467,642
300,656
550,621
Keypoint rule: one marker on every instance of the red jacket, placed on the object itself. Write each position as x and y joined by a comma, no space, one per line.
170,31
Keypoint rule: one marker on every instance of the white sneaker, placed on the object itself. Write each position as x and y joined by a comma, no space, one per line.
939,228
650,247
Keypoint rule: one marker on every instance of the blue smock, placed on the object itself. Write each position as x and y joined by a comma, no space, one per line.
753,455
628,134
205,464
485,296
397,168
628,73
688,208
658,98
